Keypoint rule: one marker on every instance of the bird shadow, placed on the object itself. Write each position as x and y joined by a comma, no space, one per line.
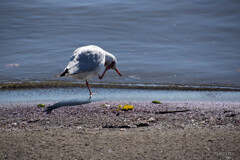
49,109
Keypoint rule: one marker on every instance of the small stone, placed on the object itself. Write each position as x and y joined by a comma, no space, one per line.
133,126
203,122
110,150
152,119
105,105
122,129
79,127
14,124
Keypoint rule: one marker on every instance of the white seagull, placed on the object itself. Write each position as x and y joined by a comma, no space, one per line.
89,61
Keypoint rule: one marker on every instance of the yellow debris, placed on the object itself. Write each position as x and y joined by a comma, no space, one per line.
127,107
41,105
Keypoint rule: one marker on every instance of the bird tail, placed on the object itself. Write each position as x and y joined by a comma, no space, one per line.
63,73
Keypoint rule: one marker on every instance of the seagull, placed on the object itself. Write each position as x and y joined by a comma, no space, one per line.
89,61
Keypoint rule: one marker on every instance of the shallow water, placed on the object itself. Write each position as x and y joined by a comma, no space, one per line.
164,42
75,95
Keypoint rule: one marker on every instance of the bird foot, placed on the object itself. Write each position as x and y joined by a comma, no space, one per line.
90,97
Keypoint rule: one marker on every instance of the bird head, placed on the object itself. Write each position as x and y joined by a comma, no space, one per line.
111,63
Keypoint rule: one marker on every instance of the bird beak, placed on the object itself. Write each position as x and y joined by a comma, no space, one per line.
118,72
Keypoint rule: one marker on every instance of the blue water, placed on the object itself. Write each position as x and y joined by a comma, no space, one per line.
106,94
165,42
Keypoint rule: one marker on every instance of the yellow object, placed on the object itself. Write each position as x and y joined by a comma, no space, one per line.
127,107
41,105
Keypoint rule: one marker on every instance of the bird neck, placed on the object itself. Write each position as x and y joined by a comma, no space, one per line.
109,57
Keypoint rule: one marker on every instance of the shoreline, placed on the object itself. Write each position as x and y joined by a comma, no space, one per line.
93,130
152,86
78,95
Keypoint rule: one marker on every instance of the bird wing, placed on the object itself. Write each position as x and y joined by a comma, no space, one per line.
85,61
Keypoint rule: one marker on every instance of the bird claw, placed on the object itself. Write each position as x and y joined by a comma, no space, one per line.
90,97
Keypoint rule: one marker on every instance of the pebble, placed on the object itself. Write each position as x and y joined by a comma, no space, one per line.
14,124
203,122
122,129
152,119
110,150
105,105
79,127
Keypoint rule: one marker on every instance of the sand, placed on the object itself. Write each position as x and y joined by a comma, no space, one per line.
92,130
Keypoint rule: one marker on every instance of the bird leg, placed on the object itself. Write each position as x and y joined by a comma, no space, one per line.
89,89
100,77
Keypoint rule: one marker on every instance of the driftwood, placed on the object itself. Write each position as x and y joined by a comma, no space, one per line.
174,111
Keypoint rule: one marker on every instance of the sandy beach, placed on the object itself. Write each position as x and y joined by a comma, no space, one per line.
99,130
55,54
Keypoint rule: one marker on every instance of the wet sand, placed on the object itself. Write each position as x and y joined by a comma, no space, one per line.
91,130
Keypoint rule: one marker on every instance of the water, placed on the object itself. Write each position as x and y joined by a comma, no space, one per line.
106,94
157,42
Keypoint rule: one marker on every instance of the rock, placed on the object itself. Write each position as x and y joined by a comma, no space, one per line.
203,122
110,150
105,105
152,119
122,129
133,126
14,124
79,127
